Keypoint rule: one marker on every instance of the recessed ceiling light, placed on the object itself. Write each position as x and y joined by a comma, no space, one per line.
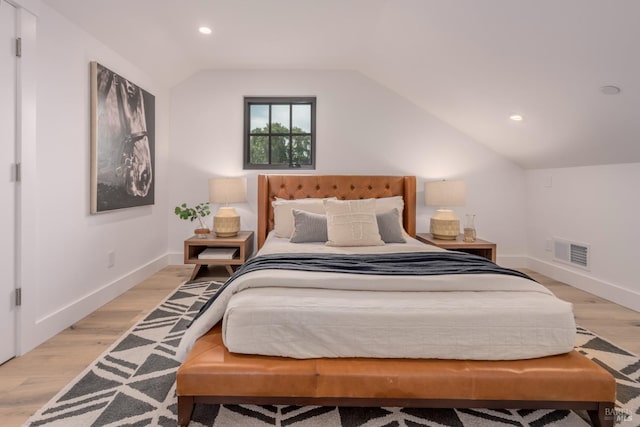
516,117
204,30
610,90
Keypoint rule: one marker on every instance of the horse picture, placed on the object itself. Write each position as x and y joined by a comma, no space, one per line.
122,142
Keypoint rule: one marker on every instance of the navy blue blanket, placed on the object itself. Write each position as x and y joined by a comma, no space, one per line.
392,264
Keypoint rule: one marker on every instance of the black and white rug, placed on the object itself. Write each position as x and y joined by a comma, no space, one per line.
133,384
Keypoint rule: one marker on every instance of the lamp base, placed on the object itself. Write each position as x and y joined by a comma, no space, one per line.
226,222
444,225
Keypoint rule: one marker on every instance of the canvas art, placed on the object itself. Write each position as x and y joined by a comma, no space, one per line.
122,142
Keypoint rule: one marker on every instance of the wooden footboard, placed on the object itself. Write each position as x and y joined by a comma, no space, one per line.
211,374
600,413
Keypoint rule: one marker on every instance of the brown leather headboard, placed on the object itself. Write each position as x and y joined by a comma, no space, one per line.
344,187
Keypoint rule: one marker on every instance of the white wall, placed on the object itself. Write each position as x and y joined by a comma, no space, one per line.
64,261
595,205
362,127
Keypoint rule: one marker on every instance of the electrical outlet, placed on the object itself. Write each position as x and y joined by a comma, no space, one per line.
111,259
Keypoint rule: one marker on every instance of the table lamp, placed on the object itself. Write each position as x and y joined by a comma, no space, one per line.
444,194
226,222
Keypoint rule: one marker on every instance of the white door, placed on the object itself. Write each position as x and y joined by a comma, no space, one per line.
8,75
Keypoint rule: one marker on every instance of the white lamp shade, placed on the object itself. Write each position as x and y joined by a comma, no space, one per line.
445,193
227,190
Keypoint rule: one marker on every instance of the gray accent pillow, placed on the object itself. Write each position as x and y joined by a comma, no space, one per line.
389,226
308,227
283,218
312,227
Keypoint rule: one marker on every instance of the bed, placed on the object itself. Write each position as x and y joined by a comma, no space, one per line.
318,375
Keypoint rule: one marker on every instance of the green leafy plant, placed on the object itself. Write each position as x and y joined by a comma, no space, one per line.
198,212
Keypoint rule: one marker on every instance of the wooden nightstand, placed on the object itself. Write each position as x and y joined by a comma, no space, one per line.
195,245
479,247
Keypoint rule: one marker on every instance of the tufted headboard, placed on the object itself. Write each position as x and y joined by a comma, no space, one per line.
345,187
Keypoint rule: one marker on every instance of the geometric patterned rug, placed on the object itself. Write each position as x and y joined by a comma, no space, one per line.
133,384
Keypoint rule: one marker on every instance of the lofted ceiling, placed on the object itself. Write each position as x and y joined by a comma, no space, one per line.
471,63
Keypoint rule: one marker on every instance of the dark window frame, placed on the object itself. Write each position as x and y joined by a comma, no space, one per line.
278,100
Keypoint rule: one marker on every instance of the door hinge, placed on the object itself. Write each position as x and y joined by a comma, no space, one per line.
17,172
19,47
18,297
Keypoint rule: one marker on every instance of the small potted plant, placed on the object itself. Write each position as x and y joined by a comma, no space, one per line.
198,212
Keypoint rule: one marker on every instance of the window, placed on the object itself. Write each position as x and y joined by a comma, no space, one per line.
279,133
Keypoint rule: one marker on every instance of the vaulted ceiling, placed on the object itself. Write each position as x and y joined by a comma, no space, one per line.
471,63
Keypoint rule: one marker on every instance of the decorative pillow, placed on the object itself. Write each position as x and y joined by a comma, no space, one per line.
385,204
283,215
389,226
352,223
311,227
308,227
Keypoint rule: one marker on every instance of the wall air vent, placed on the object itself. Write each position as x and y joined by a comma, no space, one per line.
576,254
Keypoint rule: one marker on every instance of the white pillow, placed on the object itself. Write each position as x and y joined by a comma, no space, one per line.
352,223
384,204
283,213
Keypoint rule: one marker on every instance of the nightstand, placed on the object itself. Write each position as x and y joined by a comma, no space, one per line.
479,247
227,251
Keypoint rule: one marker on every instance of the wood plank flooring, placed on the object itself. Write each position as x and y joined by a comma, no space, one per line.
29,381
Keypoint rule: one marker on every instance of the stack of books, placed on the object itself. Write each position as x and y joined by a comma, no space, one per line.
218,253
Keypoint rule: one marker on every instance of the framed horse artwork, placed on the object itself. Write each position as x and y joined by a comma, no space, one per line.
122,142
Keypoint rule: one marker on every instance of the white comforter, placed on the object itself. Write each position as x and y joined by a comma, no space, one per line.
483,316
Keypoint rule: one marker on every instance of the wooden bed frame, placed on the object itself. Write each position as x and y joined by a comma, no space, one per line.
210,374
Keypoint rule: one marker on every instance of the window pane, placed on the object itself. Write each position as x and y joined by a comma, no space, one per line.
259,117
280,150
280,118
302,150
259,153
278,132
301,118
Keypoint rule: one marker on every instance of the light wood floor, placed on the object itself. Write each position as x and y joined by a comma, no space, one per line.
29,381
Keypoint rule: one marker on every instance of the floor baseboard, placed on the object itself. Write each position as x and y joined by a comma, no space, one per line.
609,291
48,326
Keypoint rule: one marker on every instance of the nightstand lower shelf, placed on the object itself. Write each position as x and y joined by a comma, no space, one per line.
194,246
